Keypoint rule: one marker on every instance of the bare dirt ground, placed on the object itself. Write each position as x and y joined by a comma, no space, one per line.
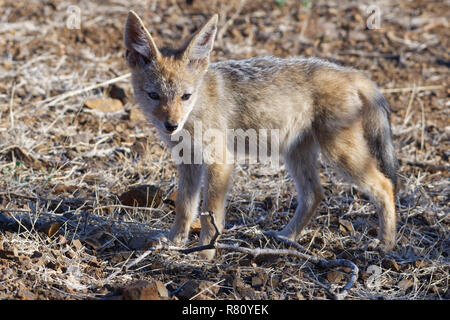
71,171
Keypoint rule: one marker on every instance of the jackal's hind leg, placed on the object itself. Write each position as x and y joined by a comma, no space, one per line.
348,150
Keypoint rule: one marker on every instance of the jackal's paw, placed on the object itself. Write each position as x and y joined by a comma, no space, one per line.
382,246
176,237
207,254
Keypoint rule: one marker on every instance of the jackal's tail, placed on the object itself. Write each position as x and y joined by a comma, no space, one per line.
377,127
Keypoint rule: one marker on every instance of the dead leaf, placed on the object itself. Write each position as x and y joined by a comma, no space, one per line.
142,196
137,115
334,276
405,284
9,253
62,188
24,294
93,242
139,147
300,296
77,244
389,263
196,289
51,229
172,197
246,292
116,92
257,282
16,153
345,226
137,243
104,105
196,226
70,254
420,264
62,240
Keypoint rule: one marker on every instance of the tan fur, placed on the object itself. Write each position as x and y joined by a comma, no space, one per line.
315,104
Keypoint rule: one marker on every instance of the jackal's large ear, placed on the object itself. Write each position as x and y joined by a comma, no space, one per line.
198,49
139,45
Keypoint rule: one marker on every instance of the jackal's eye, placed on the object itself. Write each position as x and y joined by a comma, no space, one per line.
185,96
153,95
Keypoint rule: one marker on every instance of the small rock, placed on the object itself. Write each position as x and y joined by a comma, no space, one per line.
145,290
104,105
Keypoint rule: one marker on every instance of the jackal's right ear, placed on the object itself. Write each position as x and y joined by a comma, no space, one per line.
198,49
140,48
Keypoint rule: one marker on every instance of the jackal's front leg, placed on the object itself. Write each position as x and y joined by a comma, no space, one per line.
217,177
188,197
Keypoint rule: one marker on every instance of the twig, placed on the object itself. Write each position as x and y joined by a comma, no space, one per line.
230,21
430,167
254,252
11,106
408,109
52,100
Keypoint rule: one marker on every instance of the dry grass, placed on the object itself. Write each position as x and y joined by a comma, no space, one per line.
64,165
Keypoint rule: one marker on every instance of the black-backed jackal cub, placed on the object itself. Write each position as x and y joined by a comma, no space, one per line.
315,105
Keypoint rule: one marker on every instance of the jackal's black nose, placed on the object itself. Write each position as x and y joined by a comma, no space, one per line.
171,126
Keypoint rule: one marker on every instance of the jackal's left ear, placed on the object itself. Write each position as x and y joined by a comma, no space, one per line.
139,45
198,49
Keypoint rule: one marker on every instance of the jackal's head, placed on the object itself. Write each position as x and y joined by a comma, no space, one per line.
166,82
